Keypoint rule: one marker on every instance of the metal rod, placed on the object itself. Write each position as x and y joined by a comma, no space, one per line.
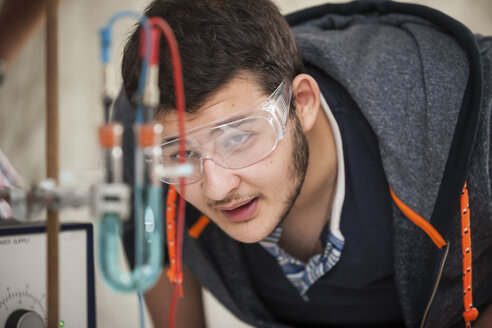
52,154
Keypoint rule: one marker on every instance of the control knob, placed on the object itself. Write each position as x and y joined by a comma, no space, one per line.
24,319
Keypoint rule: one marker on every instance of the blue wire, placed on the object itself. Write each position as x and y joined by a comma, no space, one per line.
141,308
141,86
106,39
105,32
126,13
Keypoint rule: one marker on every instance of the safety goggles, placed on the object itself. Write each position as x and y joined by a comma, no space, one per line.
235,142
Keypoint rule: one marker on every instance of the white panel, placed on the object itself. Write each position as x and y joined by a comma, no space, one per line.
23,276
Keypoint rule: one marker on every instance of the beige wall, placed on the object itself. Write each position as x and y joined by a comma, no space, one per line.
22,106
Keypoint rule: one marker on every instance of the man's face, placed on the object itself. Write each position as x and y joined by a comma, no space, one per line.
247,203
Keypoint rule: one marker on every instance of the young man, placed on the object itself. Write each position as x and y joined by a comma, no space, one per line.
329,156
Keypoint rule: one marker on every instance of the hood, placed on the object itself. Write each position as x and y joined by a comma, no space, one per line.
415,73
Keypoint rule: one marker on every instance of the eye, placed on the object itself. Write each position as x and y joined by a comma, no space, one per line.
188,155
239,138
234,141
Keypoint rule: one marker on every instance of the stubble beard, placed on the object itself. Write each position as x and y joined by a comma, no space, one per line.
299,164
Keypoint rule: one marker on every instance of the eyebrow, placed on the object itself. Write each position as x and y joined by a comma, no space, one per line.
231,122
168,139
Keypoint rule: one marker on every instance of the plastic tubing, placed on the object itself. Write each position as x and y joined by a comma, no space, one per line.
148,257
148,207
148,235
148,227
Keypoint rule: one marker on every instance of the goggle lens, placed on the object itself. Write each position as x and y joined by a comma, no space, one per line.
232,145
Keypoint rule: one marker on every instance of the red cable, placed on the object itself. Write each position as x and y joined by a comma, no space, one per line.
180,105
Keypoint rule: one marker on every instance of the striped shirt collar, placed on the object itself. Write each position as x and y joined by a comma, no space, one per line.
303,275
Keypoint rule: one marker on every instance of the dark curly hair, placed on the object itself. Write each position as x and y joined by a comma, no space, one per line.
217,40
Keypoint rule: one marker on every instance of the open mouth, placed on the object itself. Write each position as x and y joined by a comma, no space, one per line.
243,212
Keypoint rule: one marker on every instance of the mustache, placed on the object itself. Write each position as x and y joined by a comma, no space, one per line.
233,198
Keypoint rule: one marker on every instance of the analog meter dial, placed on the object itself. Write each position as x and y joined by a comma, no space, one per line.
19,308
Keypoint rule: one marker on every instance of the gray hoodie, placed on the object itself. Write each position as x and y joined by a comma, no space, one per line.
424,84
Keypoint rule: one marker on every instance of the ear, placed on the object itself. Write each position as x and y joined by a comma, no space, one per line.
306,92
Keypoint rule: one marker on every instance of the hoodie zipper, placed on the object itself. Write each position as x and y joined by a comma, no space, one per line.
434,290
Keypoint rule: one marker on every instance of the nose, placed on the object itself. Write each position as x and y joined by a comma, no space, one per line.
217,181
